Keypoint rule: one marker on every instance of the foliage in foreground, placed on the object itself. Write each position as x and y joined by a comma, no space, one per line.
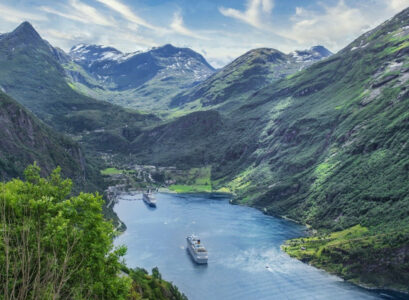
145,286
56,246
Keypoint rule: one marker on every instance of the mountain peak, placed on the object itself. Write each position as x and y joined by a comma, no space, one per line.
313,54
324,52
93,53
167,46
27,30
26,25
92,47
25,34
167,49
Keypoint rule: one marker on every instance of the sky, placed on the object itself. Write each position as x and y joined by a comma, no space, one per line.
221,30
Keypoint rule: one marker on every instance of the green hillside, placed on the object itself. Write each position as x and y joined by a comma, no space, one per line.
332,153
26,139
233,84
31,73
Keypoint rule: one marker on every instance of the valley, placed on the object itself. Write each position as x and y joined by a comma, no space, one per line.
312,136
140,80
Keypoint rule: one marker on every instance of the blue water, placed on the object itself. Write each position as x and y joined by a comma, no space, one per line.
245,260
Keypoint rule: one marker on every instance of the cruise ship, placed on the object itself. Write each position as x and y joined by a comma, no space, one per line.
149,199
196,249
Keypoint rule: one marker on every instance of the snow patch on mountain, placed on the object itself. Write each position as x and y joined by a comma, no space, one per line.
310,55
130,70
92,53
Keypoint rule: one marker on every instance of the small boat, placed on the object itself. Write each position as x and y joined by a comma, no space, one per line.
196,249
149,199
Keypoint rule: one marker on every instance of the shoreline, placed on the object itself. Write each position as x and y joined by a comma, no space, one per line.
399,293
389,291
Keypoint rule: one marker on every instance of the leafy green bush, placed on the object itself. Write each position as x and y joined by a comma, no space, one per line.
53,246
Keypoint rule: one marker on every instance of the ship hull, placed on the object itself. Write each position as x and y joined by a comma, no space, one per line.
148,201
199,260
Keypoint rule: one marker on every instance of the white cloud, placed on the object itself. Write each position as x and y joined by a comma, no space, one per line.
17,16
254,15
267,5
179,27
397,5
104,29
334,26
120,38
90,13
80,12
338,25
127,13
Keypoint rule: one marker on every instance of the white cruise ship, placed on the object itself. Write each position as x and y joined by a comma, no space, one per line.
149,199
196,249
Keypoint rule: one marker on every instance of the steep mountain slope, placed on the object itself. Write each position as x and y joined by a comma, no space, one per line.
326,147
30,71
333,154
232,85
145,80
25,139
183,141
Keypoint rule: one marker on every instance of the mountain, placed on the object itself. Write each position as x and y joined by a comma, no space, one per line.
182,142
31,72
28,65
326,146
233,84
25,139
144,80
87,55
24,34
314,54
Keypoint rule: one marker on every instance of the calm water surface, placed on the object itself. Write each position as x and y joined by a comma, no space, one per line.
245,260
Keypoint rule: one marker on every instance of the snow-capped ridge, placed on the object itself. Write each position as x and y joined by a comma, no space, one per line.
121,71
93,53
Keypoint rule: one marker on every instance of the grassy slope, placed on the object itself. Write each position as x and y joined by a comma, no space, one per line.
198,180
375,257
